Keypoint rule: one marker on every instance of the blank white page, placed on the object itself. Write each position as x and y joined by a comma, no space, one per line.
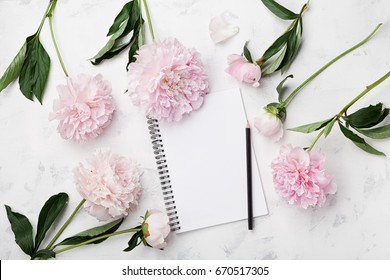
206,159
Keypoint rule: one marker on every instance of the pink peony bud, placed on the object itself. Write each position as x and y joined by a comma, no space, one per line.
269,125
156,228
299,176
243,70
221,28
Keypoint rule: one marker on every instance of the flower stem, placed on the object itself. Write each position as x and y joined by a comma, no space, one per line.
363,93
50,16
65,224
149,20
96,239
315,140
303,10
353,101
44,18
319,71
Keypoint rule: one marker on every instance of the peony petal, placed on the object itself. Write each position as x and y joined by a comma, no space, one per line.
221,27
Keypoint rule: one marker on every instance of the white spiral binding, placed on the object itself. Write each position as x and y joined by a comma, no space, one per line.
162,167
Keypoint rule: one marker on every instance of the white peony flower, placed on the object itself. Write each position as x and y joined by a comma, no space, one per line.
110,184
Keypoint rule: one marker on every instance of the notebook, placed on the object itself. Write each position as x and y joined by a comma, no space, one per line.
202,165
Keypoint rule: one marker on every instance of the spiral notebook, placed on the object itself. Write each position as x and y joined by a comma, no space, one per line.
202,165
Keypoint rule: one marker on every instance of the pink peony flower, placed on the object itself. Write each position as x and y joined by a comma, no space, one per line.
84,107
269,125
111,185
299,176
156,228
221,28
167,80
243,70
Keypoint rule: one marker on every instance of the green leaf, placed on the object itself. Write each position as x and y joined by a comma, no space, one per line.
22,230
358,141
102,54
14,68
328,128
280,87
247,53
133,242
128,20
141,34
276,46
136,42
367,117
279,10
385,113
274,66
309,128
282,114
382,132
49,213
110,53
92,233
293,45
123,15
35,70
44,254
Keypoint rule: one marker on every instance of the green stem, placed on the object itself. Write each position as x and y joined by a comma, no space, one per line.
65,224
149,20
44,18
295,92
363,93
96,239
315,140
50,16
353,101
303,10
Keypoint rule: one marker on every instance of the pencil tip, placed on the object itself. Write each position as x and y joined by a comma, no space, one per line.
247,124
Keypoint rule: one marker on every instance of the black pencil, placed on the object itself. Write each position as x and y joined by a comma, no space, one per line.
249,175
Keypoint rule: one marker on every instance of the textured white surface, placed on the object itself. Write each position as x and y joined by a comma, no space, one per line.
36,163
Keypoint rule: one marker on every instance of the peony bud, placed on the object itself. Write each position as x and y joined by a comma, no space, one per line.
243,70
269,124
156,228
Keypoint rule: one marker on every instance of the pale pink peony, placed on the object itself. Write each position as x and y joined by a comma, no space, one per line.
111,185
156,228
243,70
299,176
221,27
84,108
269,125
167,80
